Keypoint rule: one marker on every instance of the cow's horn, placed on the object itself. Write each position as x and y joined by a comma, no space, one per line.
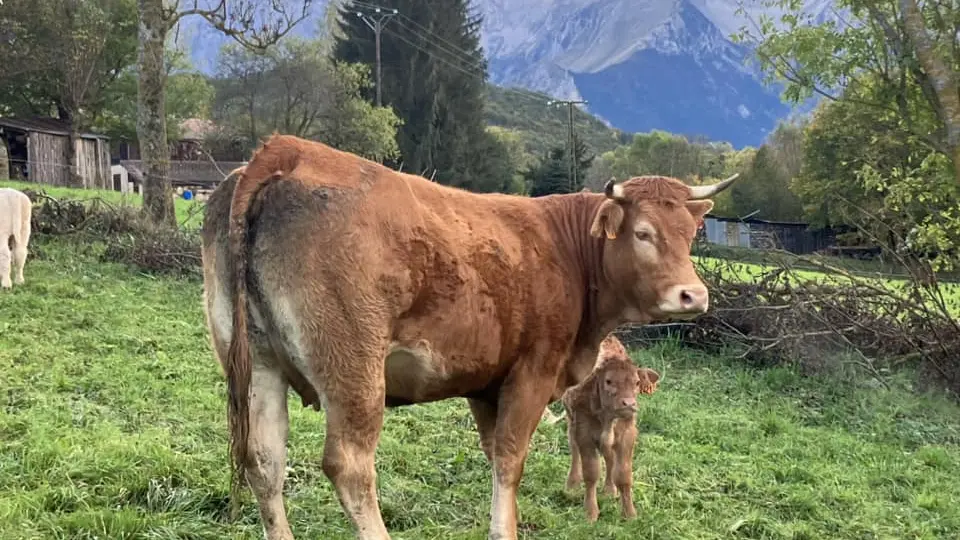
704,192
613,190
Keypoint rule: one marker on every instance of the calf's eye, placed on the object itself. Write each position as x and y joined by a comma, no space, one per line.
643,236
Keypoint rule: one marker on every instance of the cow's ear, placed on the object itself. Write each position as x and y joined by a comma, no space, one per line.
608,220
699,208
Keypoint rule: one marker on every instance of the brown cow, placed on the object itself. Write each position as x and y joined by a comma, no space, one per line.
601,416
367,288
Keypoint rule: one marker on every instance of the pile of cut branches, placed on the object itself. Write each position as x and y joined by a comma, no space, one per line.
776,313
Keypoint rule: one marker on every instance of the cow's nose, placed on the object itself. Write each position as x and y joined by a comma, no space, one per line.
685,300
630,402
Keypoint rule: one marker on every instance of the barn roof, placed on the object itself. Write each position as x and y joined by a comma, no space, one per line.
50,126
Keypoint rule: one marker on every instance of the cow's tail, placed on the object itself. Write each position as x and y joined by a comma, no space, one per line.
277,157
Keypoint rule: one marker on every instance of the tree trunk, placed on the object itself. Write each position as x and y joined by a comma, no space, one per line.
941,74
151,116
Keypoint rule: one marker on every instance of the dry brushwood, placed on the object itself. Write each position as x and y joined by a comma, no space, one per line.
129,237
786,316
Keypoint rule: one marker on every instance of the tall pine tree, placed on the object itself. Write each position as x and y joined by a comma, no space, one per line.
434,77
552,174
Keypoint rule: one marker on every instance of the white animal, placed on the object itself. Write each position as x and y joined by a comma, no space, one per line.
15,210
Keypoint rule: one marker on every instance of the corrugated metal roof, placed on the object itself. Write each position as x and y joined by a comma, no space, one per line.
50,126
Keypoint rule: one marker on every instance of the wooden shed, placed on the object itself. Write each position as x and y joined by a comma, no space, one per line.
38,151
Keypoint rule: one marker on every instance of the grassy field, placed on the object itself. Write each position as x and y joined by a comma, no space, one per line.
112,426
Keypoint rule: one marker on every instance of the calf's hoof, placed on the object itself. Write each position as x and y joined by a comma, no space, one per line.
611,490
572,484
629,512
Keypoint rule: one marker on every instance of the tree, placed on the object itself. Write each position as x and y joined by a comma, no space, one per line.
864,171
659,152
188,95
897,57
433,74
519,160
764,189
249,22
552,174
61,56
295,88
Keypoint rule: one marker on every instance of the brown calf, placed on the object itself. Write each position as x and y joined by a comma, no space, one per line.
361,288
601,413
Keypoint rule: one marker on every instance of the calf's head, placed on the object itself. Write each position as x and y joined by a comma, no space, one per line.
620,381
649,224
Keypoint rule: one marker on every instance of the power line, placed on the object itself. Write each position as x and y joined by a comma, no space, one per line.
573,141
377,24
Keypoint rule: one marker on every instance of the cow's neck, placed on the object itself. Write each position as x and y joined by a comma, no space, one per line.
572,216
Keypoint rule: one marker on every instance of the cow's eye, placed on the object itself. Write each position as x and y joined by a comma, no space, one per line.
643,236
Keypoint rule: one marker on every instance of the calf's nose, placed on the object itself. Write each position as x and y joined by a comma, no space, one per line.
684,300
629,402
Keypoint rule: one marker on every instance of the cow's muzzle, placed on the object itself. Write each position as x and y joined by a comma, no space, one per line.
684,301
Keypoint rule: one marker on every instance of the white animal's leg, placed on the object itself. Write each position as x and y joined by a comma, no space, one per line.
22,240
5,263
267,454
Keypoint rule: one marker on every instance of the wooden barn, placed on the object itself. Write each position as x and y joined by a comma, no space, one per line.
39,151
795,237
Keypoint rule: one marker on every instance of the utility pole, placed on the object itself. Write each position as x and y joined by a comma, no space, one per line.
571,155
377,24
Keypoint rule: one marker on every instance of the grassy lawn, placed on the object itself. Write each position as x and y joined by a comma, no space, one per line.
112,426
189,213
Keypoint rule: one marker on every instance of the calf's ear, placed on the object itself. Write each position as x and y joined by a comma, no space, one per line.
649,374
608,220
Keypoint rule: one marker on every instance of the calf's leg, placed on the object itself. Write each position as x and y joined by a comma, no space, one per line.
623,471
267,458
520,407
575,476
607,446
355,395
485,416
591,475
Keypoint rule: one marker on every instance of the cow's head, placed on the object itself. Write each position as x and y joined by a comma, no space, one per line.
649,223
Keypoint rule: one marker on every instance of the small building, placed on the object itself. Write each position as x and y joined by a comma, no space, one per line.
39,151
796,237
196,176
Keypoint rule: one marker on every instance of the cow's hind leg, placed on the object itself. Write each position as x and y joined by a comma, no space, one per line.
354,400
267,454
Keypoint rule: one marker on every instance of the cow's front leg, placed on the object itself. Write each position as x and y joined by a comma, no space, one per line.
522,400
485,415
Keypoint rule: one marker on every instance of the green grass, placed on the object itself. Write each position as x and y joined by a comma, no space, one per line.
112,426
189,213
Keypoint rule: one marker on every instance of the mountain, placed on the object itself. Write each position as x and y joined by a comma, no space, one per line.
640,64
